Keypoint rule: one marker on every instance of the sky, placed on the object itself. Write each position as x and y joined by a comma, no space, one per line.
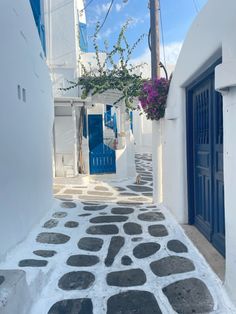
177,16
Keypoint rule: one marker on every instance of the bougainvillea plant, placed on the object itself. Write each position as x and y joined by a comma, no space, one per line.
115,73
153,98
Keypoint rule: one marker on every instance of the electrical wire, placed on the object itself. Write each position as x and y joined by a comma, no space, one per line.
86,6
162,34
105,18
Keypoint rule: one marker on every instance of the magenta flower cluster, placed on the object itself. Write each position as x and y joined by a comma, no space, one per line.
153,98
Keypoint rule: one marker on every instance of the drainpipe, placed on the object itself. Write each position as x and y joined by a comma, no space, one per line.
75,159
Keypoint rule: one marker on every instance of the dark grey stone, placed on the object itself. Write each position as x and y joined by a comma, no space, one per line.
52,223
126,260
71,224
93,203
130,203
76,280
189,296
143,209
143,250
85,215
126,278
176,246
128,194
72,306
119,189
102,213
133,302
64,197
138,188
151,216
2,279
142,182
101,188
147,178
90,244
108,219
103,229
132,228
95,207
68,205
59,215
45,253
114,247
171,265
52,238
82,260
32,263
122,210
151,206
137,239
157,230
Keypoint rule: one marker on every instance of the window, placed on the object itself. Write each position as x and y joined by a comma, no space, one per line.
83,40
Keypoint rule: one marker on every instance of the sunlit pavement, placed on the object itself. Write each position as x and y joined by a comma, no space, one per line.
105,248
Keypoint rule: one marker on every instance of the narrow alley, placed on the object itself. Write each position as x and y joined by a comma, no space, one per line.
112,251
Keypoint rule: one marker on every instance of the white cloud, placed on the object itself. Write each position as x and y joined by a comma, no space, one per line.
106,33
103,8
118,7
171,52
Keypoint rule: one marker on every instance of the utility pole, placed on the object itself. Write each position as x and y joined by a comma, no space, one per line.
156,125
155,38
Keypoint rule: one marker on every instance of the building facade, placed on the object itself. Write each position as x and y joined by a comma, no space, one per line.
26,125
79,147
194,150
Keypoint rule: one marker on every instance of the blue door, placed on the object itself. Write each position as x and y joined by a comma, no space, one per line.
102,159
205,160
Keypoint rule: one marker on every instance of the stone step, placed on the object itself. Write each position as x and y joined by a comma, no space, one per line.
14,292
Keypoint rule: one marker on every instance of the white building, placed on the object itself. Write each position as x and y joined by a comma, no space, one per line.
195,148
26,115
66,42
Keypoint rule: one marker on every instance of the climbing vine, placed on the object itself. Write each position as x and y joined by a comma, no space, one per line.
115,73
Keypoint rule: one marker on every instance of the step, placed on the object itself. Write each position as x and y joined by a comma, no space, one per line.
14,292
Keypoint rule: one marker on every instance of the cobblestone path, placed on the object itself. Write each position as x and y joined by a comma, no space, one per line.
112,251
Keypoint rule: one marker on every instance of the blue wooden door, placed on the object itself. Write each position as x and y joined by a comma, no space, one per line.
205,160
102,159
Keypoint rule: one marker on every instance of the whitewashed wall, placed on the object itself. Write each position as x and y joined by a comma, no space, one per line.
61,23
212,33
25,127
142,133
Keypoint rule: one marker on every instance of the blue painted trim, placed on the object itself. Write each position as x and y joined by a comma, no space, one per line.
83,38
210,230
38,13
85,132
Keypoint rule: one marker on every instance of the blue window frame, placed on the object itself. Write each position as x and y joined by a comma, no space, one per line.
37,8
83,39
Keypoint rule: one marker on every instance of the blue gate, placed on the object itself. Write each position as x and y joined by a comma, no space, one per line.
102,159
205,160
